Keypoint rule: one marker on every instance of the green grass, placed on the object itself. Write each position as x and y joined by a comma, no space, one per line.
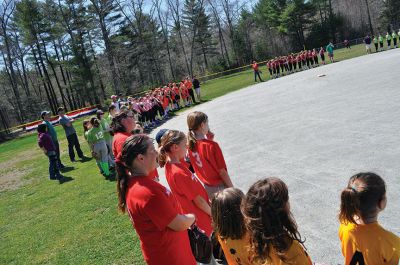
43,222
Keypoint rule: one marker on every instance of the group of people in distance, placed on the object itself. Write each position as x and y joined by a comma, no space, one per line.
253,228
155,105
379,41
295,62
149,110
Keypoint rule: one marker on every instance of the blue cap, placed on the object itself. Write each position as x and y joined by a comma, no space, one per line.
160,134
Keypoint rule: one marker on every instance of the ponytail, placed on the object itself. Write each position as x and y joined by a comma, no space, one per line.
363,194
167,140
349,205
133,146
122,185
191,141
162,157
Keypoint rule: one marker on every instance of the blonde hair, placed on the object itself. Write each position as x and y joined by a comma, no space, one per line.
169,138
194,121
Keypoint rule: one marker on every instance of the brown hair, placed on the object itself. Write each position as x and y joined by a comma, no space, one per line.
116,123
133,146
227,219
362,195
170,138
268,218
194,121
84,124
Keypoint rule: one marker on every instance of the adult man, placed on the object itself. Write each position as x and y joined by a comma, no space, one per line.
367,41
115,103
329,49
196,85
256,71
394,37
70,132
46,120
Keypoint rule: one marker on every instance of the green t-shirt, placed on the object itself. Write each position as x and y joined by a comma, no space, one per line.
329,48
52,131
394,35
106,126
95,135
375,40
388,37
380,39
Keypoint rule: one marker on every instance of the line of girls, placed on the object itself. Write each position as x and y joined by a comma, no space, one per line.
155,105
256,228
292,63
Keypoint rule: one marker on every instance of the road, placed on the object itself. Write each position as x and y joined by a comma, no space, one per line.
314,133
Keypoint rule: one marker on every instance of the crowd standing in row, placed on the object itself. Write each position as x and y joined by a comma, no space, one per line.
295,62
379,41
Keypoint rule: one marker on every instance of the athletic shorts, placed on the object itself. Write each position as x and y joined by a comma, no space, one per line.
368,46
330,54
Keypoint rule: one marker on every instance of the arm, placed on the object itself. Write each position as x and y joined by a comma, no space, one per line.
225,178
202,204
182,222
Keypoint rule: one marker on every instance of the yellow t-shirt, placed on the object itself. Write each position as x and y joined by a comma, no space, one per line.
370,243
296,255
237,251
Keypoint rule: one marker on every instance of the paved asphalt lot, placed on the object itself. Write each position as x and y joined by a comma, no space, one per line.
314,133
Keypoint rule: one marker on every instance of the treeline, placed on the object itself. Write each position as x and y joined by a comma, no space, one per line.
75,53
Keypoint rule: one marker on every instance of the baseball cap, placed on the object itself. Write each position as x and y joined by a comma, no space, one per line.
43,113
113,96
160,134
99,111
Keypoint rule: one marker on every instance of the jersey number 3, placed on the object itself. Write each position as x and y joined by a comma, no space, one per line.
197,157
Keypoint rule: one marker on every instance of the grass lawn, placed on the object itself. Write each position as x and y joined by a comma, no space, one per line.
43,222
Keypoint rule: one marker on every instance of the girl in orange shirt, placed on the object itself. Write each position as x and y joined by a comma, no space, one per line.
274,238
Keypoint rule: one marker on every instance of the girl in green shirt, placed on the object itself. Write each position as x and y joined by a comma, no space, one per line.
96,140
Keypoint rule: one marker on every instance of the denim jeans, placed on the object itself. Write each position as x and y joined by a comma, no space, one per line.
53,165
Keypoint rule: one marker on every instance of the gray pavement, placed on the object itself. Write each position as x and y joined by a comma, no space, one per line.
314,133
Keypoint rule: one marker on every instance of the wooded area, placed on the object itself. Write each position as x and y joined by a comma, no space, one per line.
74,53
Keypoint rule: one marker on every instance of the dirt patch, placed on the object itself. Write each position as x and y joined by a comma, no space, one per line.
11,175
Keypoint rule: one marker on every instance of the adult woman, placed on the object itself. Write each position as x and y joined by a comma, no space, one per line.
154,211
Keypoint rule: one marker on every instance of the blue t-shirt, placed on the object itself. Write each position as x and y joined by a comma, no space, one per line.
69,130
51,130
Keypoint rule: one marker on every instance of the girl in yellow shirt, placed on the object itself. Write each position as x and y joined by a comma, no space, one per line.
364,241
228,225
274,238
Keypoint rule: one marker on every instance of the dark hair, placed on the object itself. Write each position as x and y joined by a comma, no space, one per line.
194,121
42,128
227,219
116,123
111,107
133,146
95,122
268,218
361,197
167,140
60,109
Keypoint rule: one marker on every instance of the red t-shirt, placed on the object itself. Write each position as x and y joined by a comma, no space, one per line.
151,208
117,145
186,187
207,161
255,66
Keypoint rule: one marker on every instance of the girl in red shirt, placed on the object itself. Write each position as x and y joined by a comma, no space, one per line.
205,155
155,213
184,184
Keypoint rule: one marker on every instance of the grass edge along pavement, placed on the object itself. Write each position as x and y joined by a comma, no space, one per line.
77,222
